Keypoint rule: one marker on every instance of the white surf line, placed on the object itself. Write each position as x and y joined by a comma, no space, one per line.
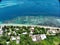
7,3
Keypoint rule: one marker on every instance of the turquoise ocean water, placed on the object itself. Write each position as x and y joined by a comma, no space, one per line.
10,9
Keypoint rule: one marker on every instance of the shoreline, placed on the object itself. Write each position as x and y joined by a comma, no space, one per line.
29,25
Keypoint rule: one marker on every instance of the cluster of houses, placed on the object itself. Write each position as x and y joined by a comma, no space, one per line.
53,31
36,37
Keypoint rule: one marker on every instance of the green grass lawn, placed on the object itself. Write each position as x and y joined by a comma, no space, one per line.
55,40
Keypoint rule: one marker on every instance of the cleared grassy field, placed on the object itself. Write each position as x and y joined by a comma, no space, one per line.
53,40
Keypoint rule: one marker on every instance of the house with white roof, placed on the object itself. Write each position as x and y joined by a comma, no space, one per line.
32,28
38,37
8,43
1,31
17,29
51,32
34,38
43,36
13,38
17,39
9,33
24,33
31,33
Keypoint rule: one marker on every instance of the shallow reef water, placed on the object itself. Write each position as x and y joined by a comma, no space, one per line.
36,20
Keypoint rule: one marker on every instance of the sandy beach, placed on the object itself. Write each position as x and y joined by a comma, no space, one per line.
29,25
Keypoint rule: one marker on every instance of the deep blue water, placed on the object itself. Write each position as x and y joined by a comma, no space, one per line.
10,9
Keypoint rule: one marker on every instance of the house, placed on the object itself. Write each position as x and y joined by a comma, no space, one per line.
43,36
51,32
24,33
17,39
32,28
8,43
1,31
17,29
31,32
13,38
9,33
1,27
38,37
34,38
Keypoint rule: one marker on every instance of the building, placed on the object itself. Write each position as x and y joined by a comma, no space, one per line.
17,39
43,36
38,37
51,32
24,33
34,38
1,31
13,38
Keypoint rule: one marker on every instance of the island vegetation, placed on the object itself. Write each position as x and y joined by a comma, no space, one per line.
23,35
